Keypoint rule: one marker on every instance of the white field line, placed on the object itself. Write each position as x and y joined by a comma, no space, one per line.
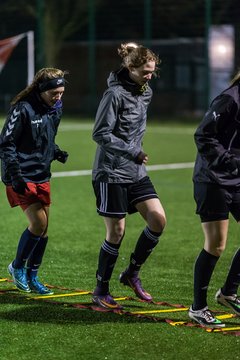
68,126
149,168
150,129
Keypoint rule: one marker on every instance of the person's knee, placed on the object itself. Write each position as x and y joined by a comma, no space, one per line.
38,219
216,250
38,227
157,221
116,234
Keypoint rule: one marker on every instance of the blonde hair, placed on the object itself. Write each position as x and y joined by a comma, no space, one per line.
42,75
135,55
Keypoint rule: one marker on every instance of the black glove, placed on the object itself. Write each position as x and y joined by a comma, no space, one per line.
61,156
140,157
19,185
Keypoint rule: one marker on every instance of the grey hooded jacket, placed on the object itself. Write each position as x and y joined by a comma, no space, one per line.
119,129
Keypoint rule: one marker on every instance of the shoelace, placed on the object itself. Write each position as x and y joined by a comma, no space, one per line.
137,283
38,284
208,316
21,273
236,300
109,299
136,280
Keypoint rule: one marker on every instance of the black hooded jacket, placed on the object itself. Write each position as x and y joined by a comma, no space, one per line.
218,141
27,142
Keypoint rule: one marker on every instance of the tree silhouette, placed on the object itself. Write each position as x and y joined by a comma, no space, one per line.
54,21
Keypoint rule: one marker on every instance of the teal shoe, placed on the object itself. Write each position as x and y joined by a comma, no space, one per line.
19,277
37,287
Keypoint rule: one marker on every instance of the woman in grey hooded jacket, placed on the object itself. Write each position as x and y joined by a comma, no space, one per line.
120,179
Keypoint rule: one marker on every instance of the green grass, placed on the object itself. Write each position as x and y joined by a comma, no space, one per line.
38,330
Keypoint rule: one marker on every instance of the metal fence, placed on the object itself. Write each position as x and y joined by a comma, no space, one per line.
177,31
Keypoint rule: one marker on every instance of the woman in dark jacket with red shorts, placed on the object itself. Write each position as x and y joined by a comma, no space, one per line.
27,149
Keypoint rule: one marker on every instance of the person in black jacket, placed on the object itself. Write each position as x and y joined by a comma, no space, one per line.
27,149
217,194
120,179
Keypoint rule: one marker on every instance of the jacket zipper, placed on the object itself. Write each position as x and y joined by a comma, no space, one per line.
231,141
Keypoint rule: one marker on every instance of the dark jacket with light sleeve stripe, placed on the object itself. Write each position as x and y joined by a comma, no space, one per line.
119,129
218,141
27,142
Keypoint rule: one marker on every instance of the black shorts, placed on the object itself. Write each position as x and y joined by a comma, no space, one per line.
215,202
116,200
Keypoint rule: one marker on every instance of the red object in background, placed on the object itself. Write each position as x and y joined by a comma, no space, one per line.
7,46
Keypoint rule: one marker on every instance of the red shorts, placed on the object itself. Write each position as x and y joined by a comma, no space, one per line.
37,193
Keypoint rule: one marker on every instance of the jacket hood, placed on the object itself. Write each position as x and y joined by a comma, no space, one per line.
121,77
